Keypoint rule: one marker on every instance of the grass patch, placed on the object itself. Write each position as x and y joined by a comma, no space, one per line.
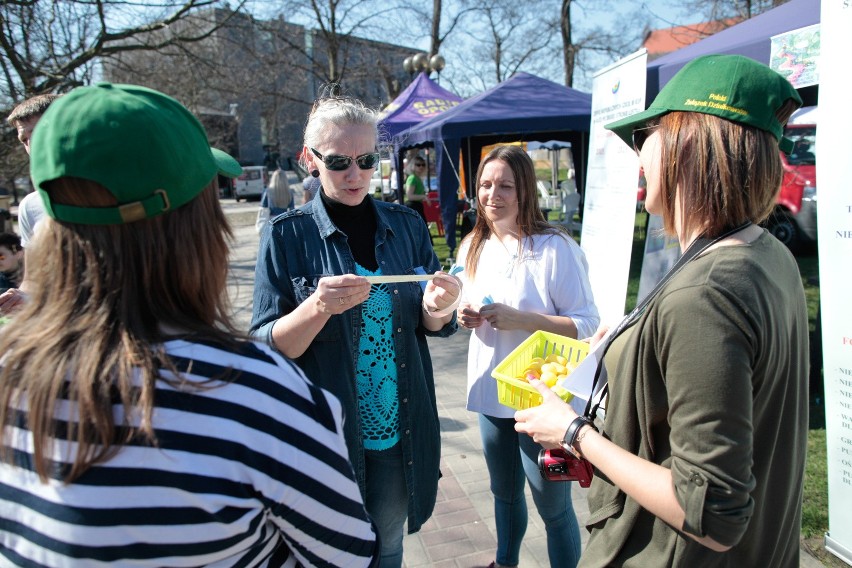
815,508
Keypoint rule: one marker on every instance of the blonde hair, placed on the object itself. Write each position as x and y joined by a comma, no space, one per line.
279,189
101,300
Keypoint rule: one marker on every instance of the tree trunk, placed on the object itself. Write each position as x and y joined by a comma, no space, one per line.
568,48
436,27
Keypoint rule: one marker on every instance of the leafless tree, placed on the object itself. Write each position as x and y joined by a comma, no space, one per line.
500,38
247,67
335,24
589,48
55,45
442,23
569,49
265,73
727,10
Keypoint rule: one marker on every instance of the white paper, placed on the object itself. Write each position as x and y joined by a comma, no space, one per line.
399,278
612,180
581,380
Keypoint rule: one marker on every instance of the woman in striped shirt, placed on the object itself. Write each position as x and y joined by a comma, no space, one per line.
138,430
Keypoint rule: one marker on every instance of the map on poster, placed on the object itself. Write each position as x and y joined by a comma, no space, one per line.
794,54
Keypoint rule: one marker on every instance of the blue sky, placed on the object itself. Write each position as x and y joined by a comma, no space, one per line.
464,73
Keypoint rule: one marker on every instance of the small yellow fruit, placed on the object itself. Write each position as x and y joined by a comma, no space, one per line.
561,360
531,372
562,393
538,360
558,369
551,358
549,378
534,366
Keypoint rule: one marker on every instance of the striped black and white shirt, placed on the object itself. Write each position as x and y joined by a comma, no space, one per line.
251,472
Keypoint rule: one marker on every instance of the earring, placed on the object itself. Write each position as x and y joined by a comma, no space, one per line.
315,173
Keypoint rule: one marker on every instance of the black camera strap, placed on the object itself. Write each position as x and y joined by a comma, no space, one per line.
695,249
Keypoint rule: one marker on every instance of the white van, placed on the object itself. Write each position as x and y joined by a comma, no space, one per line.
251,183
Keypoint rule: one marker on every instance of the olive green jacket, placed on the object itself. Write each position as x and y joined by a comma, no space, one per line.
711,382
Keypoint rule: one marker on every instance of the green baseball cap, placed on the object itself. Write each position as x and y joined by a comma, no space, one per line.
145,147
733,87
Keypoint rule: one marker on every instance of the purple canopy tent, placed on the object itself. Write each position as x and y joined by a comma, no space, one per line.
422,99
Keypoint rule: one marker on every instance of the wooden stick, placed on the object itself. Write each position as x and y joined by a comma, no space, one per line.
399,278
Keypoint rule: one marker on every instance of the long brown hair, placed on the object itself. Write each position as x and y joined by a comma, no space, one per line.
728,172
103,298
530,217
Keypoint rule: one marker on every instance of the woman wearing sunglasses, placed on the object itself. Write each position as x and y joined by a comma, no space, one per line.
364,342
700,457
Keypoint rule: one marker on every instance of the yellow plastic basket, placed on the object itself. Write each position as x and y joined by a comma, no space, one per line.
518,394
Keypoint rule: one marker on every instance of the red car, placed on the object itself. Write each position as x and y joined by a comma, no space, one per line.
794,220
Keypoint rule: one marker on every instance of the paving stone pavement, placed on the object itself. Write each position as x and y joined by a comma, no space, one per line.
461,531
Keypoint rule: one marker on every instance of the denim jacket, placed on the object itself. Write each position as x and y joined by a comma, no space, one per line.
299,247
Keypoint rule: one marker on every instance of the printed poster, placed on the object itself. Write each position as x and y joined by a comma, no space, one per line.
661,254
834,236
612,183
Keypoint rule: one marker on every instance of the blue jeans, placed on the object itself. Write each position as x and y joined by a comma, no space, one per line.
512,458
387,500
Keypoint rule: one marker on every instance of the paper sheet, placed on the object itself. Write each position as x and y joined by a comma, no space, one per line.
579,382
399,278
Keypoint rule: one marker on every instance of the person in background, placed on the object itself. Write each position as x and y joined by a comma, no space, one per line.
140,429
24,118
314,302
279,198
520,275
415,192
275,200
11,260
699,460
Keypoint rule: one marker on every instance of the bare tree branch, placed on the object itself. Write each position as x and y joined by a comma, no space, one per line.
49,45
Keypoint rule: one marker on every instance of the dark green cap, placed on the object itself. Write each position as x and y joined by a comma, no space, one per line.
145,147
733,87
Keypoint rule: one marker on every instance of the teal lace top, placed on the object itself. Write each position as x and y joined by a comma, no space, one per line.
376,378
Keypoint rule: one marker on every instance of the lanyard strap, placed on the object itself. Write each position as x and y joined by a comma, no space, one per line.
696,248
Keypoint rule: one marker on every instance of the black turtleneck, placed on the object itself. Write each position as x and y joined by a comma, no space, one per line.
358,223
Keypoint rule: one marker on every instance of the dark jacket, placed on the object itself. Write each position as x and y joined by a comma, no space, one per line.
296,250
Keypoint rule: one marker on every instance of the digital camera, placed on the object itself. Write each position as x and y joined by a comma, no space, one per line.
561,465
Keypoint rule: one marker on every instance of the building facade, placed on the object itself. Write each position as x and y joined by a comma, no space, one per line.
252,82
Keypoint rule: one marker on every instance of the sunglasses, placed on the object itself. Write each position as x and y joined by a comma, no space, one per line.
642,134
338,163
419,165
